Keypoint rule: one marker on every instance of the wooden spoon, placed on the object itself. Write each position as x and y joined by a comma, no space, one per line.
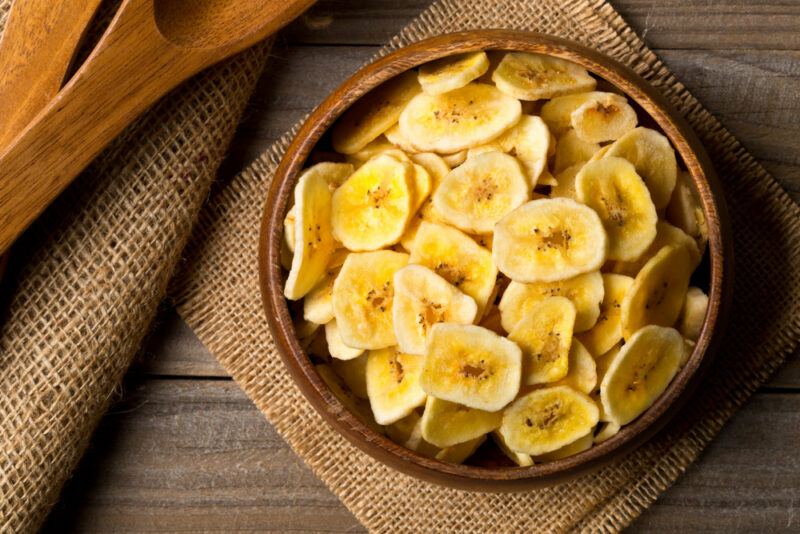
37,47
149,48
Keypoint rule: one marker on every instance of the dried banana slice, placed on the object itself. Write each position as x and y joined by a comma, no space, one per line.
396,137
612,188
582,374
433,163
374,113
422,298
472,366
393,384
334,173
572,150
547,419
607,332
423,183
657,293
666,234
565,183
449,73
549,239
546,178
401,430
557,113
336,346
686,212
454,256
604,119
521,459
477,194
353,373
318,303
654,159
455,159
530,142
460,119
642,371
458,454
602,363
446,423
585,291
362,298
314,241
535,76
372,149
372,208
545,336
359,408
609,430
570,449
693,314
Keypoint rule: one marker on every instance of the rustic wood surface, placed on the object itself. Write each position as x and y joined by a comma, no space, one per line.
185,450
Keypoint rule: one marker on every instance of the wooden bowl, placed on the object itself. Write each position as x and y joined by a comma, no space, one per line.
488,477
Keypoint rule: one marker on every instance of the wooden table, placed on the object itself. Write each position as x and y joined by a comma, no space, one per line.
185,450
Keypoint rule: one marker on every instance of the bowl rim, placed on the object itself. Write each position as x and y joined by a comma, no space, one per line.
672,124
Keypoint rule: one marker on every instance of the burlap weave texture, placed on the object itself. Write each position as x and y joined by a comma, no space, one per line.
218,295
86,279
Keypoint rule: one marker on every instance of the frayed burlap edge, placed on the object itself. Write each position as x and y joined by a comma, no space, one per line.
625,488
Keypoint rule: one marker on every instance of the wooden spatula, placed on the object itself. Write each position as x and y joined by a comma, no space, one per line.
37,47
149,48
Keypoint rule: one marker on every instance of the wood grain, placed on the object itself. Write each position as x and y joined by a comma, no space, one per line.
148,49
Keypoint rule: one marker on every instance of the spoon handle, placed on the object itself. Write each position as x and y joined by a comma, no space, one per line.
131,67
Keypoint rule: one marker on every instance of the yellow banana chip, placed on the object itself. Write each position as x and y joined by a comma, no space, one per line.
535,76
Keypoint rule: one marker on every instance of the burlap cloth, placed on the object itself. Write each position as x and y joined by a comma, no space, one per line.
85,281
218,295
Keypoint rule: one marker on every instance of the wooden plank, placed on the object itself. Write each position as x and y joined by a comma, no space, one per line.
681,24
196,455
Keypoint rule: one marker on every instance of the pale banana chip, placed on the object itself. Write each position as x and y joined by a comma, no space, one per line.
455,159
654,158
314,241
607,332
602,363
353,373
453,72
642,371
565,183
557,112
396,137
458,454
362,298
530,142
545,334
579,445
318,303
612,188
417,443
374,113
446,423
470,365
549,239
372,208
666,234
460,119
458,259
521,459
535,76
477,194
372,149
585,291
657,293
336,346
547,419
572,150
605,119
693,314
423,184
608,431
686,212
433,163
582,374
422,298
393,384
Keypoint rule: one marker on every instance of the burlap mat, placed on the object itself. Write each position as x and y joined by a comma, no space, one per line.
218,295
86,280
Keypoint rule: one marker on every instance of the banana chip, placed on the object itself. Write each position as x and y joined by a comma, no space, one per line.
572,150
548,240
374,113
534,76
693,314
454,72
457,454
529,141
686,212
433,163
470,365
585,291
446,423
607,331
545,336
460,119
362,298
521,459
641,372
612,188
582,374
666,234
477,194
422,298
565,183
570,449
318,303
547,419
657,293
393,384
336,346
557,112
605,119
